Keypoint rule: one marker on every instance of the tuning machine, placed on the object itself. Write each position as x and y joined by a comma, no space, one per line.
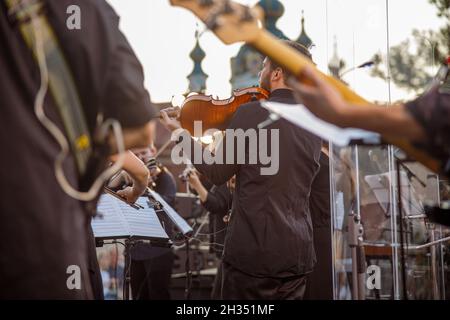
206,3
246,15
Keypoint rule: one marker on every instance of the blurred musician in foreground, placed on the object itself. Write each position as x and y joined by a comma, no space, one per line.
424,121
50,228
218,201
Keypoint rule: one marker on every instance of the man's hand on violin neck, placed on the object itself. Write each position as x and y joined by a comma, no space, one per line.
169,118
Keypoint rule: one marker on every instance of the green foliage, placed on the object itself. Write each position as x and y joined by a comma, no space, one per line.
411,61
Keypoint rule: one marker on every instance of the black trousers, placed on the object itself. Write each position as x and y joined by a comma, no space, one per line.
236,285
150,279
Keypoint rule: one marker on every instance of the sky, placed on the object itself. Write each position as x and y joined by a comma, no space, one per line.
163,36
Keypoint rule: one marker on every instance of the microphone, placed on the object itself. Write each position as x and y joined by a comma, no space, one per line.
365,65
361,66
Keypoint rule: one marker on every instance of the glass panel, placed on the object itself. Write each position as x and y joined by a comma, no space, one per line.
374,209
361,189
416,45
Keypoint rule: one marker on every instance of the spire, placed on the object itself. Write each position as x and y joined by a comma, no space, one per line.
336,64
303,38
197,78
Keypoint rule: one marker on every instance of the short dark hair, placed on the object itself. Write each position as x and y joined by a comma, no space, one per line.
298,47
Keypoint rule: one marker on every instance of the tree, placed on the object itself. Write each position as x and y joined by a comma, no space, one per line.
411,62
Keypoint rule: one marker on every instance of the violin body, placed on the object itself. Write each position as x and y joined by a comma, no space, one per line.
214,113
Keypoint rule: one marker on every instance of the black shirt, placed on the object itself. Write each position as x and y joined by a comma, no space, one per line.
432,112
43,231
320,282
320,195
270,231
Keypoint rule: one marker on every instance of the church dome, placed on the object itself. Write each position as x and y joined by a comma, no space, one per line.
303,38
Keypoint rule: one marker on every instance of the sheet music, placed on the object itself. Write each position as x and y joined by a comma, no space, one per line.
108,222
185,228
380,187
303,118
143,222
116,219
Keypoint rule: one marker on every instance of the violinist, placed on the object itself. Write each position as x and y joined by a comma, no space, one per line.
268,249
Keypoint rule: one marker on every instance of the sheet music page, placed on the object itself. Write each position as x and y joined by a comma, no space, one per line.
143,222
117,219
303,118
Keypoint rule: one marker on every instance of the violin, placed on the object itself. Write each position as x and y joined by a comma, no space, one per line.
215,113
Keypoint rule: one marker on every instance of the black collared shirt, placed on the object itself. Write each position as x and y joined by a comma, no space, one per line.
270,231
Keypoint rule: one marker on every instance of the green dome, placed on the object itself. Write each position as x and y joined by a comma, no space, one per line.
304,39
272,8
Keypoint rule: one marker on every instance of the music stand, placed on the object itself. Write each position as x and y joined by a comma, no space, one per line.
172,220
117,219
144,221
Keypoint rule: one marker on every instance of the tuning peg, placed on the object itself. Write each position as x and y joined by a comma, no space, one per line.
227,8
206,3
211,22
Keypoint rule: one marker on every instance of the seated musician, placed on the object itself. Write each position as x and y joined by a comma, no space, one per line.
151,267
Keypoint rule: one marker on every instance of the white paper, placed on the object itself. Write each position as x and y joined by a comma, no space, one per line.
116,219
303,118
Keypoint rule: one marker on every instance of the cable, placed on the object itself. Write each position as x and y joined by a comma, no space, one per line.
59,136
212,233
116,279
